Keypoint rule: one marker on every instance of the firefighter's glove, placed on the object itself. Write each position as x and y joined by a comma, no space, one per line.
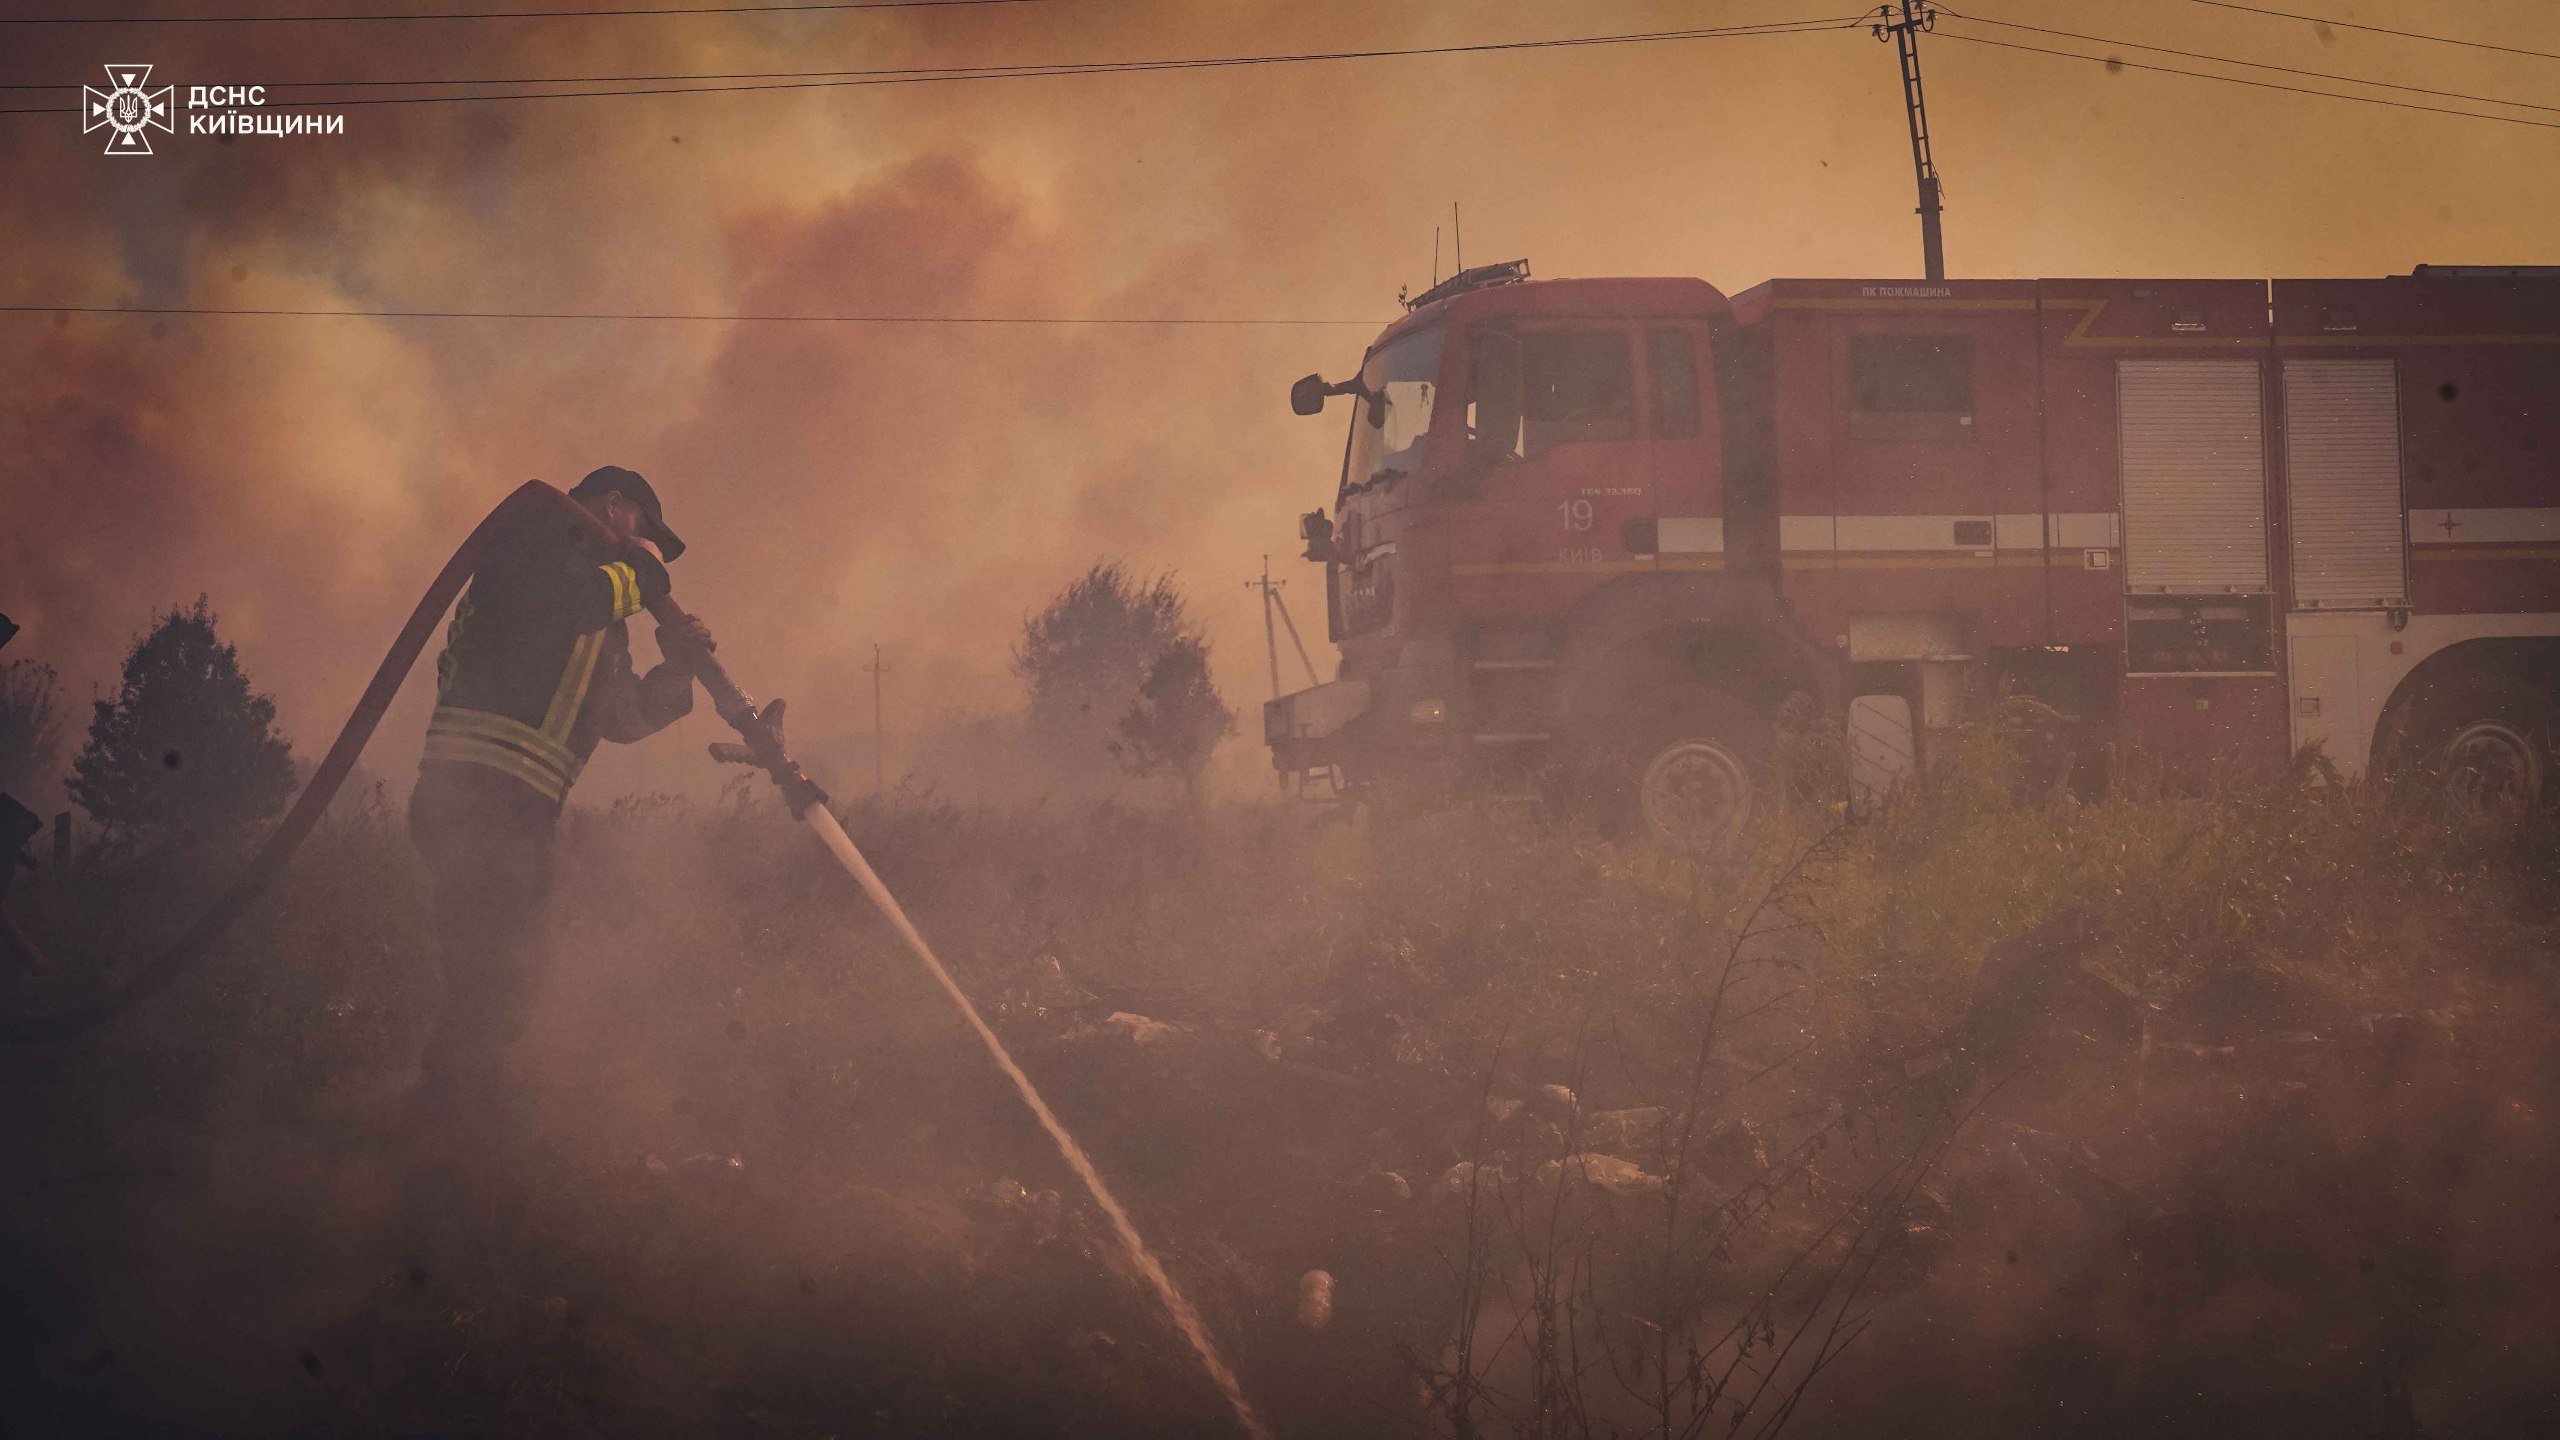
688,631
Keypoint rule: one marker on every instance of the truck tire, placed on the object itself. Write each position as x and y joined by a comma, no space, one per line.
2493,745
1687,780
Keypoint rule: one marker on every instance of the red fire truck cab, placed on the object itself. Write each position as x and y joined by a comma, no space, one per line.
1615,528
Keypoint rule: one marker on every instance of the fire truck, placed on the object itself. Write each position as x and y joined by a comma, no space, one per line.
1619,528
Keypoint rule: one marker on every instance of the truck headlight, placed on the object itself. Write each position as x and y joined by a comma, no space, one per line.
1429,712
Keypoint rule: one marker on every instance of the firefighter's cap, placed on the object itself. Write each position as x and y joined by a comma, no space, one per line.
614,480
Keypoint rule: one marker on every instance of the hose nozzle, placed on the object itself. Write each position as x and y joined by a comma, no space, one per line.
761,730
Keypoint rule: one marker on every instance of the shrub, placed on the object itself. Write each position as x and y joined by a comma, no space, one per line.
1118,680
185,747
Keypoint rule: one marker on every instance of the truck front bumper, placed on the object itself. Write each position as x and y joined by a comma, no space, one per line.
1317,728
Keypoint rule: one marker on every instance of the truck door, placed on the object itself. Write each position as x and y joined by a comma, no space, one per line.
1686,501
1912,525
1558,466
1937,530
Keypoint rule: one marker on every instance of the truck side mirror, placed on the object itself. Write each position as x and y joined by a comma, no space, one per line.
1317,531
1307,396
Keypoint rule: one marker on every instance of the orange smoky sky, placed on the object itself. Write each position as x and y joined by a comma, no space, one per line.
924,486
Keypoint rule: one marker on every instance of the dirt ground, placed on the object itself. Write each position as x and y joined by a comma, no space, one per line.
1992,1115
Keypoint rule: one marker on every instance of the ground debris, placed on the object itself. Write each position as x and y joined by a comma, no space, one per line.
1043,991
1035,1215
1554,1102
1052,987
1356,1035
704,1164
2066,1167
1602,1172
1098,1346
1315,1299
1380,1188
1922,1235
2042,975
1459,1179
1142,1030
1731,1151
1636,1131
1624,1128
2399,1035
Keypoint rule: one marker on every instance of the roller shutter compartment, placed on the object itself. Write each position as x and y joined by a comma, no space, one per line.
2342,475
2191,452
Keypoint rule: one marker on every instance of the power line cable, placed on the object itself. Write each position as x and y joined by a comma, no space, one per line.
2249,64
929,71
1130,321
823,80
813,7
1064,67
1044,69
2383,30
954,72
2115,62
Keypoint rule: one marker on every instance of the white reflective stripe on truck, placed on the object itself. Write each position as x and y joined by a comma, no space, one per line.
2028,530
2501,525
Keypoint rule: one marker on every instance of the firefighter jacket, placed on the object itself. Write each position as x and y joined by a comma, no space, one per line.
536,666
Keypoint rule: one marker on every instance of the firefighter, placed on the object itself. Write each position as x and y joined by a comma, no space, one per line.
536,670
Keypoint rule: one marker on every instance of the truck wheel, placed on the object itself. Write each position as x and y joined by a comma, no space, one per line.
1688,782
2494,747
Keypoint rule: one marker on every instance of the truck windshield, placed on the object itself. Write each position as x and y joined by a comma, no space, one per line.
1388,436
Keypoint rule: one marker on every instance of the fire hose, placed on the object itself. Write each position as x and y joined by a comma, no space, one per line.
760,744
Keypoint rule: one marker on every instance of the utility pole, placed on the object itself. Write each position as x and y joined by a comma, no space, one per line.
1272,600
879,731
1915,16
1270,637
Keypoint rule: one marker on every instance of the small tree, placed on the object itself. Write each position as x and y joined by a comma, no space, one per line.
1178,717
184,747
1087,660
30,724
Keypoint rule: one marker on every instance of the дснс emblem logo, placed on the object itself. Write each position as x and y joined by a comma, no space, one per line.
126,109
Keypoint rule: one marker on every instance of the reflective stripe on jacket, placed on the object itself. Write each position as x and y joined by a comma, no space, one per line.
536,667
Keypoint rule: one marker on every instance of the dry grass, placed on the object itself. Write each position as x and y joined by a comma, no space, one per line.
720,991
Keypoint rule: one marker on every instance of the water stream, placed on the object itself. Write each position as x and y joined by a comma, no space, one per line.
1185,1319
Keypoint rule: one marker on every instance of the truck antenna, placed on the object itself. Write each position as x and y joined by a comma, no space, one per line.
1915,17
1457,236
